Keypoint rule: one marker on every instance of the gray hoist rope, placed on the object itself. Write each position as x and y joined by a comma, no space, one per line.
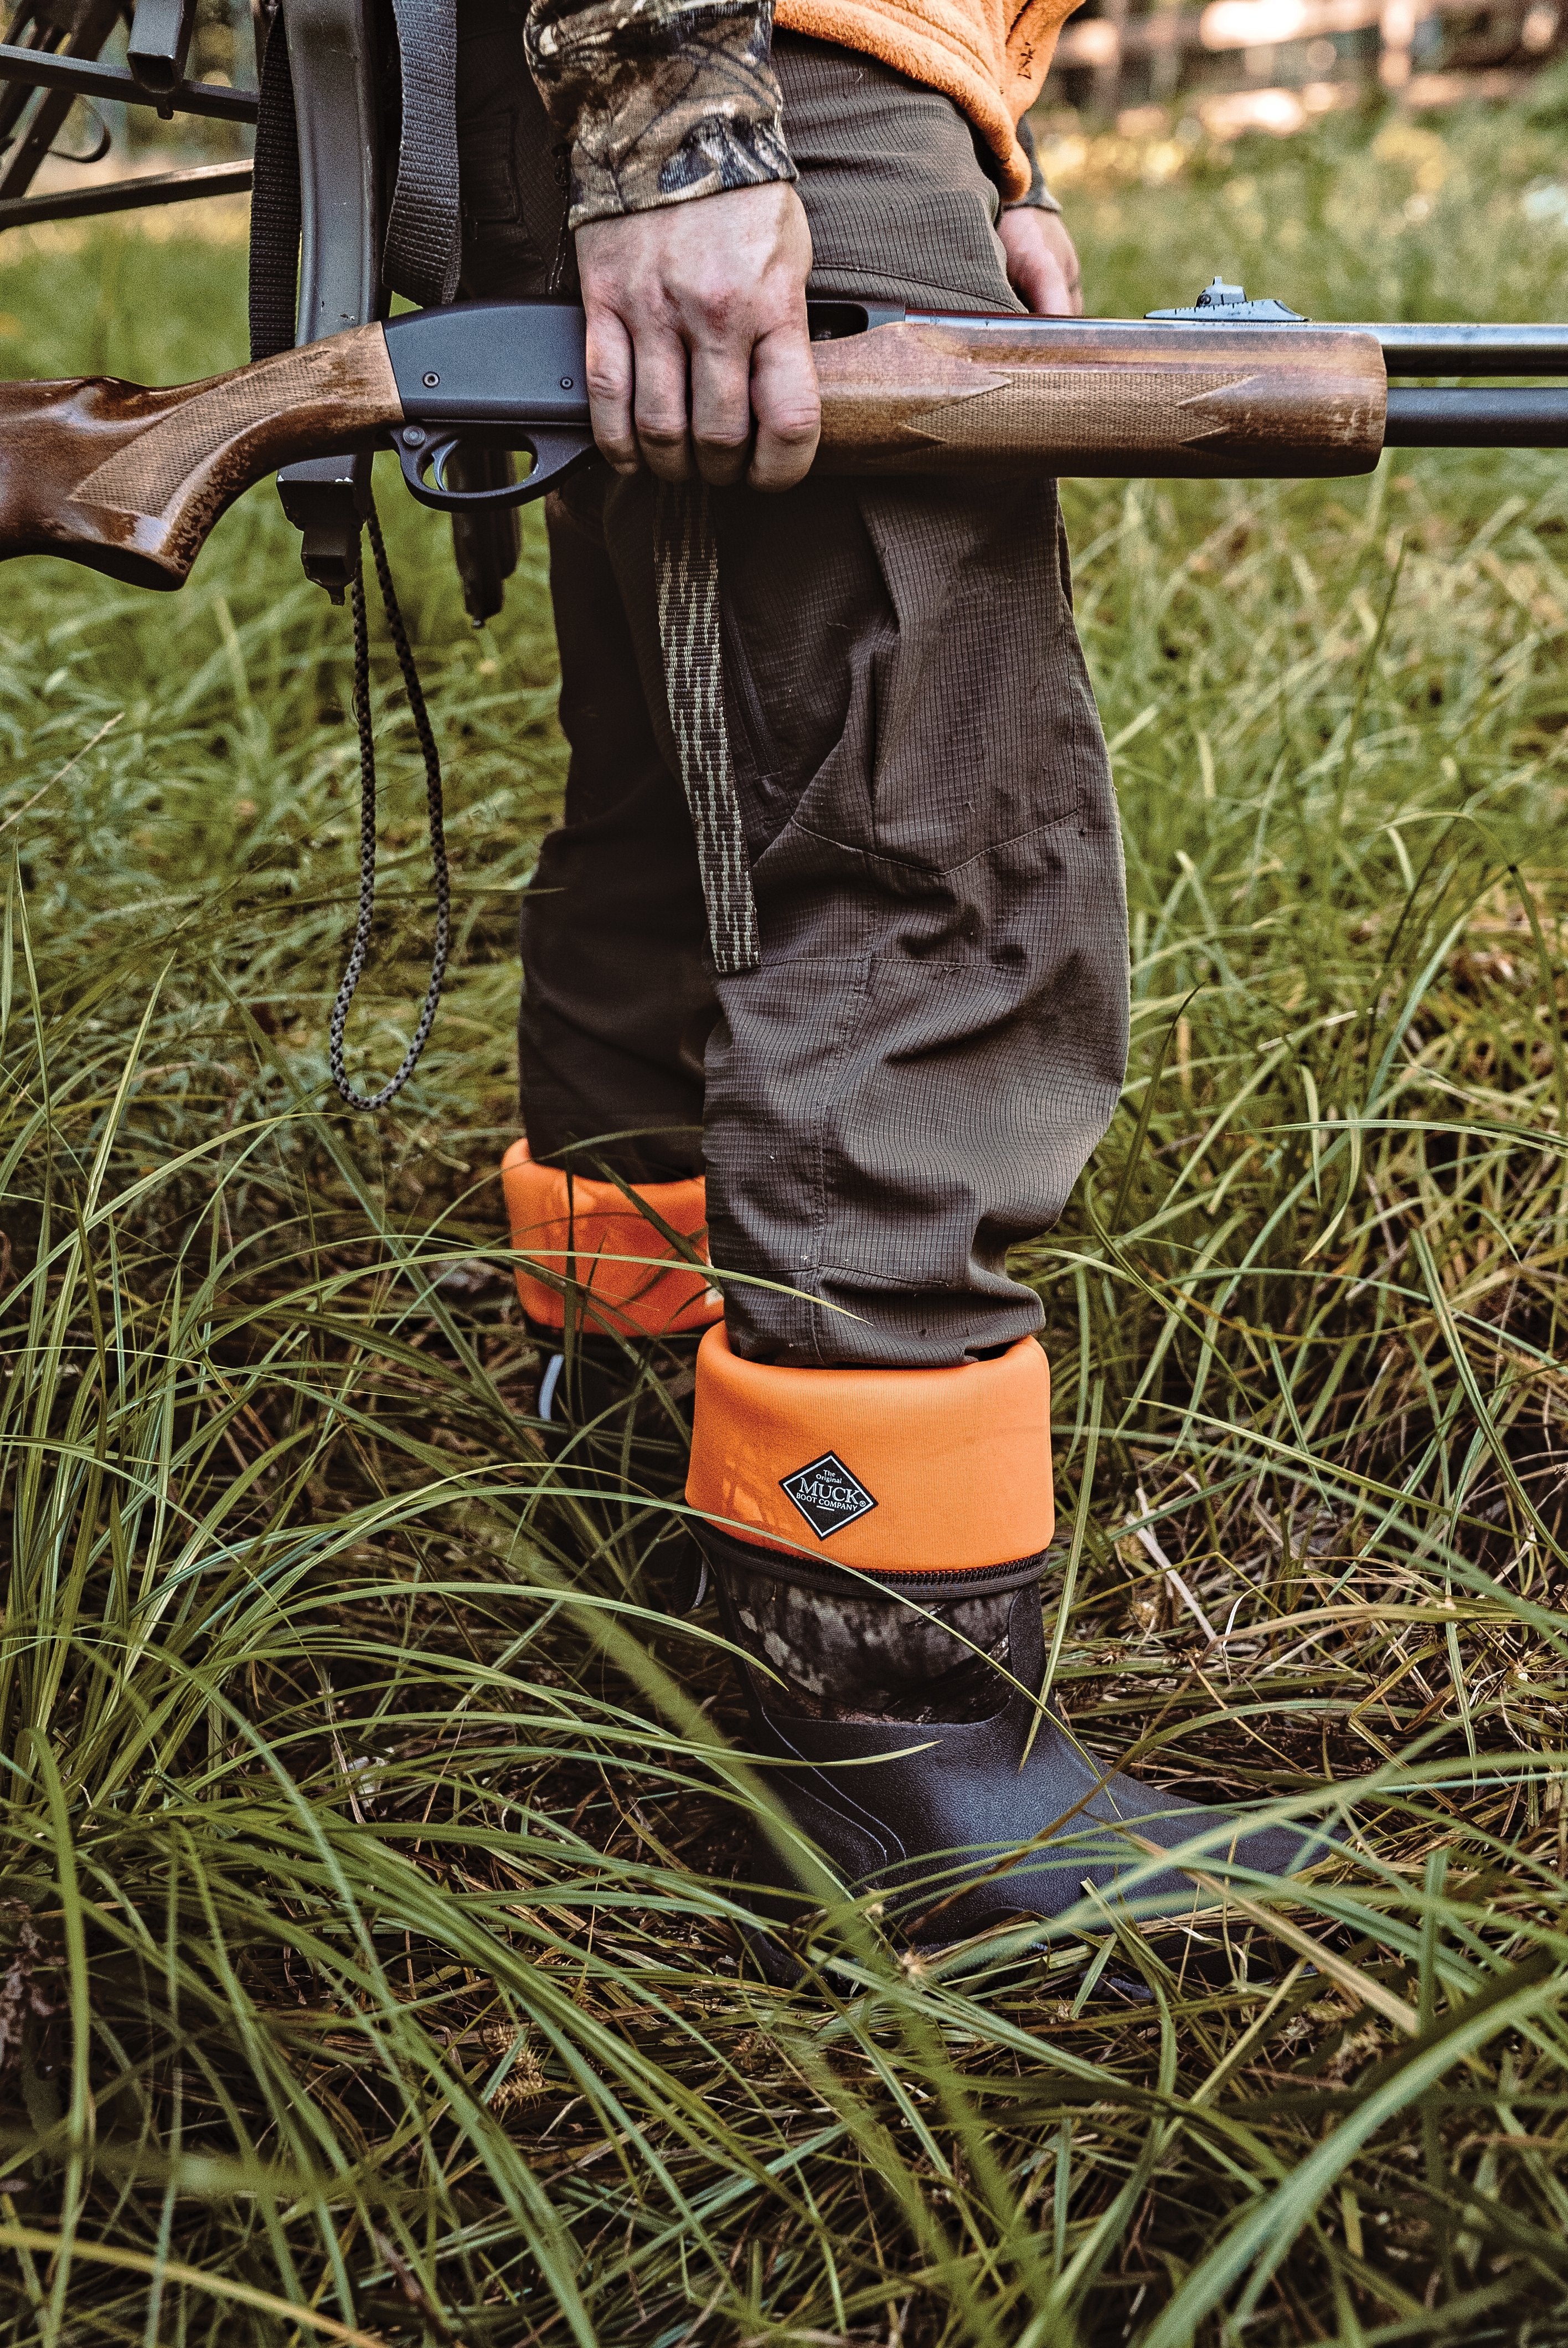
359,952
690,635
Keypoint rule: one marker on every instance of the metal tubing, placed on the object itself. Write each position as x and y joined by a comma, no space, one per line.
128,195
160,33
32,120
1472,350
46,72
1477,419
333,60
56,27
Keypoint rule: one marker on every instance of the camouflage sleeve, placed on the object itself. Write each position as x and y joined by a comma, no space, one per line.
663,99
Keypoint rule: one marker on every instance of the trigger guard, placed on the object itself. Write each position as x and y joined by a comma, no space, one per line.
554,455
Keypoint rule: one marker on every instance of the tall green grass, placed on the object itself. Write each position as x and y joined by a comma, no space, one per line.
370,1948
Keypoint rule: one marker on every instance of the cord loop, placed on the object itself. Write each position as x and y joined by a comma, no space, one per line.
360,948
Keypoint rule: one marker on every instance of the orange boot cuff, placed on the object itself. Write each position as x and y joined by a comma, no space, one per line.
898,1472
589,1233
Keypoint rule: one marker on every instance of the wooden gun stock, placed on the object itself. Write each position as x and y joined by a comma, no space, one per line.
130,481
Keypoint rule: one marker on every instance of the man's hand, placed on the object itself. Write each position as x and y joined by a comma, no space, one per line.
698,355
1043,267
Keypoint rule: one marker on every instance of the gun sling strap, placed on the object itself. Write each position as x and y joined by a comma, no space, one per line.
421,259
421,250
690,636
275,205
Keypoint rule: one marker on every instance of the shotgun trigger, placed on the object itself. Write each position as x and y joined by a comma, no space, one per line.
424,451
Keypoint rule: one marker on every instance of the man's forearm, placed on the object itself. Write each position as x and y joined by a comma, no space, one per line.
662,100
698,358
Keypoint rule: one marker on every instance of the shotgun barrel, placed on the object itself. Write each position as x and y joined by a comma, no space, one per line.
1472,350
130,481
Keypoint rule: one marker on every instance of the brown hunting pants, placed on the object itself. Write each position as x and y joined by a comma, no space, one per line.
914,1078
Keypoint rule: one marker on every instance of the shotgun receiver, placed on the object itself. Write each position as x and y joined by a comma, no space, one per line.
130,481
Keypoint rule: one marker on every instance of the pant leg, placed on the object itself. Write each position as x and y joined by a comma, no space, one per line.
934,1043
934,1040
617,999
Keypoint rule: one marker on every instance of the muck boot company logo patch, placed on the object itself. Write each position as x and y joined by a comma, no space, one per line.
827,1496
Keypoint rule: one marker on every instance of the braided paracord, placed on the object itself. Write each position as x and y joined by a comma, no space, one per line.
360,948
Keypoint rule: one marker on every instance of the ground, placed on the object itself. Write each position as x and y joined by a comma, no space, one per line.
374,1969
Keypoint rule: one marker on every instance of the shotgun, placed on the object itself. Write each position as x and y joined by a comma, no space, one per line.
130,481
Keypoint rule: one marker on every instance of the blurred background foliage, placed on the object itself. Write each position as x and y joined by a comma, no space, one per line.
371,1963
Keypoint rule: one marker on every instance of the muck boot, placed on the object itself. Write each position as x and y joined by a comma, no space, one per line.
878,1538
616,1299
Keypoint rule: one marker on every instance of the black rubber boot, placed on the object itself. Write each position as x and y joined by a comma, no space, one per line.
967,1770
590,1380
616,1420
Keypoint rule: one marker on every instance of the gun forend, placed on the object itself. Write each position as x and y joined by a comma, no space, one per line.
130,481
948,395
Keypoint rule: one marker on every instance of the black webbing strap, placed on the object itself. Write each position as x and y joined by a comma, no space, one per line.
424,230
275,204
686,564
423,251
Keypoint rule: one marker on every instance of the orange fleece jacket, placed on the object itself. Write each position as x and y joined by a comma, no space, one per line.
990,57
